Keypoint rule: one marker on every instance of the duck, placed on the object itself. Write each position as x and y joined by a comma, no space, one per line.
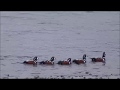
65,62
82,61
99,59
48,62
34,61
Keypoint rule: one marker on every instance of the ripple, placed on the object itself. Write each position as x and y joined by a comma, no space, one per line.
95,68
2,64
35,73
96,51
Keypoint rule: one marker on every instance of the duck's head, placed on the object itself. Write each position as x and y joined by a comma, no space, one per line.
52,59
84,57
69,59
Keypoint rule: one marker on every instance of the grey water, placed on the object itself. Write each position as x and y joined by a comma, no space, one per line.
62,34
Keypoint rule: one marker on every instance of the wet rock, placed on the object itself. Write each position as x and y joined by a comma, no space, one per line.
62,76
96,75
5,78
86,72
8,75
36,77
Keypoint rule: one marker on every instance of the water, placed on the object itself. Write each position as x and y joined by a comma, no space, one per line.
62,35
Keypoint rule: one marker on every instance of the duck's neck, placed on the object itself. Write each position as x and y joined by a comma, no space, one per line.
103,55
84,57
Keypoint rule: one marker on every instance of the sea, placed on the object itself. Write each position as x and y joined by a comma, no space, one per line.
62,34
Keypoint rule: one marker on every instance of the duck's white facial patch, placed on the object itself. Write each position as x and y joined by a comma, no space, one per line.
52,62
84,61
69,62
35,61
103,59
